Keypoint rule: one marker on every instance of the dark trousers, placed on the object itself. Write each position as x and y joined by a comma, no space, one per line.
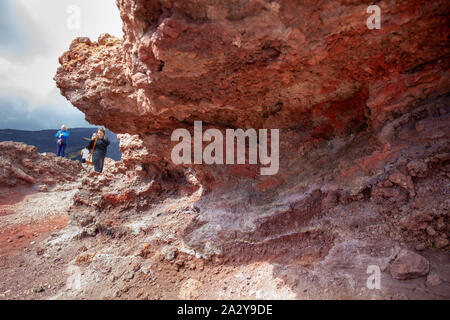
98,160
61,150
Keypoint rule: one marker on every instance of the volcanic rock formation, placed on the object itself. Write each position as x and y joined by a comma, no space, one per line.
21,164
339,92
364,151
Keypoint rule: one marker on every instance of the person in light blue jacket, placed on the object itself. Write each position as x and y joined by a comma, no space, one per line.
61,141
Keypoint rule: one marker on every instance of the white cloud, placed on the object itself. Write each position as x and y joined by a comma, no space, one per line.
27,65
97,17
33,78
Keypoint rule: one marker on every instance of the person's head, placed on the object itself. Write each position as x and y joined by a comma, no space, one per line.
101,133
63,128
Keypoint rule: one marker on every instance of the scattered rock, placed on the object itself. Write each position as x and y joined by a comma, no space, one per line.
420,125
38,289
431,231
417,168
388,184
190,289
84,258
90,231
402,180
170,253
145,251
433,280
441,242
409,265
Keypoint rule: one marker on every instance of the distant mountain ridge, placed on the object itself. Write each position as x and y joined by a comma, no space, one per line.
45,141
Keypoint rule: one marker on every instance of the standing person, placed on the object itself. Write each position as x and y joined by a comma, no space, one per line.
100,144
61,141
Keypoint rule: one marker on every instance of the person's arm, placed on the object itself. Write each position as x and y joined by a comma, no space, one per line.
107,141
90,145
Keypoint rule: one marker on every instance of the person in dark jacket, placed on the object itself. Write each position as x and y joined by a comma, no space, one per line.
61,141
101,146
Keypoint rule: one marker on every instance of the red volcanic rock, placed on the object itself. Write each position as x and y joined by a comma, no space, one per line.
409,265
417,168
402,180
314,65
433,280
22,164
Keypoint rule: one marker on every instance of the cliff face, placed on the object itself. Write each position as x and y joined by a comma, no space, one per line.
311,65
311,69
364,140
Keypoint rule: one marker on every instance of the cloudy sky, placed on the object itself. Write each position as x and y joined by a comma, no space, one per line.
33,34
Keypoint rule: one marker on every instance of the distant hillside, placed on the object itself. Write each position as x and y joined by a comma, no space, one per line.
45,141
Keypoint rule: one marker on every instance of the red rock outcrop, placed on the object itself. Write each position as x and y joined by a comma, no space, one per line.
363,118
21,164
312,66
337,91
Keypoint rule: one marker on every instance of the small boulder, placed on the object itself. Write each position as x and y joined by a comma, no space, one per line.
38,289
402,180
190,289
431,231
433,280
409,265
170,253
417,168
420,247
440,242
